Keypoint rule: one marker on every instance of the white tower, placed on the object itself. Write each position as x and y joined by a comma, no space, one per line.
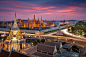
15,38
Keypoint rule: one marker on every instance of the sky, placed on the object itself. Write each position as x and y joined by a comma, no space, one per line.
48,9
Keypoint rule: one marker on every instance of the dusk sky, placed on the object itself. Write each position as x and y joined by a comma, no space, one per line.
49,9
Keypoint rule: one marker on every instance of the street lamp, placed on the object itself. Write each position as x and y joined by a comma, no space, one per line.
10,44
18,43
29,35
78,30
32,43
2,42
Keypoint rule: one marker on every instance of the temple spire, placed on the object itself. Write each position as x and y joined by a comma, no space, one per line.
15,17
15,24
41,18
34,17
38,18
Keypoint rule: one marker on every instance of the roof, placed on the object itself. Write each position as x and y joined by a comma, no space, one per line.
70,54
42,54
31,38
13,53
6,42
21,41
39,38
17,54
80,54
4,53
58,44
84,50
16,41
67,45
46,48
61,51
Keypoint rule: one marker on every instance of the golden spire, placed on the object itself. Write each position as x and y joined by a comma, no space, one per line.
34,17
38,18
4,20
41,18
28,19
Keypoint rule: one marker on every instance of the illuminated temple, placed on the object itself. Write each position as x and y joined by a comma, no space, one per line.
31,23
15,39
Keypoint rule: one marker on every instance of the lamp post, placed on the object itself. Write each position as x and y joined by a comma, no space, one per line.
2,42
18,42
9,45
72,31
78,30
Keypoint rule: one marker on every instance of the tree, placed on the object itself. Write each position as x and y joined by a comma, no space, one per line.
43,40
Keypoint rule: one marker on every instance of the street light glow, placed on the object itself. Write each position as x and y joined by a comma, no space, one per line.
70,34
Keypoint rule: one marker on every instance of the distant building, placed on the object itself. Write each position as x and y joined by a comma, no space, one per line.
64,23
32,24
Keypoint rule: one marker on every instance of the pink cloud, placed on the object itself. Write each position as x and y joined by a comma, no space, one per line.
48,12
64,10
74,8
83,4
16,9
5,2
69,9
8,14
42,8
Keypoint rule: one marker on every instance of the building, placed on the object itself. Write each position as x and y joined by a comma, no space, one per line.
12,53
82,53
58,44
31,23
46,51
64,23
59,32
15,39
67,46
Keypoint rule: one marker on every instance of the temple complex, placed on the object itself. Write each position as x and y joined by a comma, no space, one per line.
31,23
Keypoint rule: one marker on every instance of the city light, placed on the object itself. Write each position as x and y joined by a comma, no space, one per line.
66,32
42,28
